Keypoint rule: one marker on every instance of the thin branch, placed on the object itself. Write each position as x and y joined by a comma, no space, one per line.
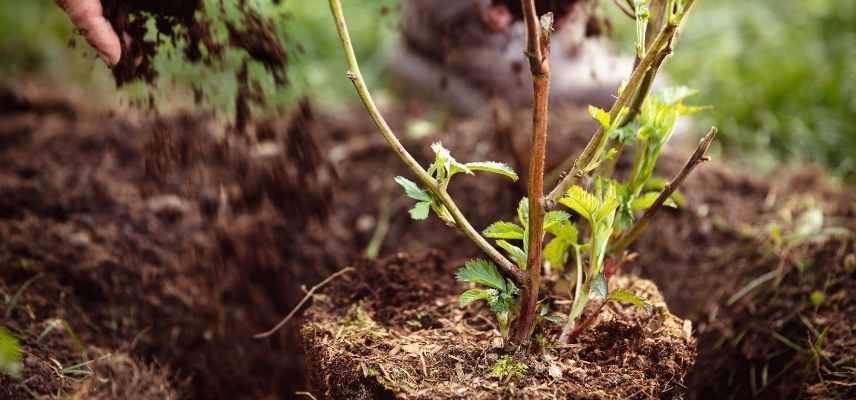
698,157
598,142
538,38
301,303
426,179
624,9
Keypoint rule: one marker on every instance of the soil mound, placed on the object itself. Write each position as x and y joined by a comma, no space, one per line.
433,349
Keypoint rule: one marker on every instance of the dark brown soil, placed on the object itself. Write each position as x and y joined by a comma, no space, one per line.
722,245
392,328
173,242
179,268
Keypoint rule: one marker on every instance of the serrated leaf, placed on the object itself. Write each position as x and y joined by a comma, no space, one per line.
412,190
482,272
494,168
516,253
473,295
599,287
552,218
600,115
580,201
504,230
623,296
420,210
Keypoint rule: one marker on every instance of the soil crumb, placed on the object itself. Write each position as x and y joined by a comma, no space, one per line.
393,329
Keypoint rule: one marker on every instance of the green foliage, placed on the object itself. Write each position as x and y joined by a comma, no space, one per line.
780,73
609,207
10,354
482,272
443,169
500,294
508,368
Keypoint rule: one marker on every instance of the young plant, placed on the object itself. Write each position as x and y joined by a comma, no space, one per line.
510,283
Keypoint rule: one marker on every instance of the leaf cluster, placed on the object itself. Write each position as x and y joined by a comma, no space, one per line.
498,292
442,170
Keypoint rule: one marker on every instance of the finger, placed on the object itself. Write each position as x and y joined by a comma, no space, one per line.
88,16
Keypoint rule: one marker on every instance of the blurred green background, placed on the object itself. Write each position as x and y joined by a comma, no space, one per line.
780,74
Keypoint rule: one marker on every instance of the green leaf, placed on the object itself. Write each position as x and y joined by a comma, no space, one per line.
645,201
517,254
412,190
600,115
556,252
504,230
523,211
482,272
582,202
10,354
420,210
623,296
553,218
494,168
474,295
565,230
599,287
445,166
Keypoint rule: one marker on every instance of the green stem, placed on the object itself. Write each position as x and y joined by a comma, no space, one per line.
422,175
594,148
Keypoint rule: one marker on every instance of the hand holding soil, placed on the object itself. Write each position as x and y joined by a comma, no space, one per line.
88,16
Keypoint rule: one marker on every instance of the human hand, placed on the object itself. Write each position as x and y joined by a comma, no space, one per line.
88,16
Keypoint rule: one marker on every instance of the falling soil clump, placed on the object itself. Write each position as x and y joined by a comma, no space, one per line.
393,329
187,25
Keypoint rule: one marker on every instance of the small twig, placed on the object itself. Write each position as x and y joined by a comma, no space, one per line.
426,179
698,157
302,302
624,10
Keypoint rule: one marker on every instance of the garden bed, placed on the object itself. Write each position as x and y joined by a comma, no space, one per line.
393,328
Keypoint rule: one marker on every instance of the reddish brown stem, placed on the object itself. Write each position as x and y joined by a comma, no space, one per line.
538,52
572,338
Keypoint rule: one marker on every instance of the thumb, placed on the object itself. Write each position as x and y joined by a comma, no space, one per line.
88,16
